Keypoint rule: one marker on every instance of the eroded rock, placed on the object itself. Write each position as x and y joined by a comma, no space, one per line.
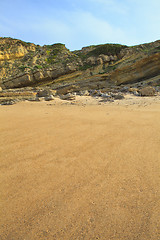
147,91
44,93
49,98
68,97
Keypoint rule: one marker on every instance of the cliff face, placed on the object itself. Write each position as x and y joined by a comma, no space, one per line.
11,49
25,64
142,69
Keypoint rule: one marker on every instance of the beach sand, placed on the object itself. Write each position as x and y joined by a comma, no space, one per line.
80,171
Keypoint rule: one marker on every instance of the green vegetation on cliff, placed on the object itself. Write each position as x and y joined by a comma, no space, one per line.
53,50
23,64
106,49
96,50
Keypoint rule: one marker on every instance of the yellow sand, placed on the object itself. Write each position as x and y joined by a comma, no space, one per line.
75,172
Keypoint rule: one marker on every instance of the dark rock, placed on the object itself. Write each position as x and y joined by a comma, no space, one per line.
84,93
105,95
118,97
68,97
94,92
44,93
124,89
8,102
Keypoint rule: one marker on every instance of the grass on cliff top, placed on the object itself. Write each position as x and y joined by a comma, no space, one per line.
53,50
10,40
106,49
148,47
96,50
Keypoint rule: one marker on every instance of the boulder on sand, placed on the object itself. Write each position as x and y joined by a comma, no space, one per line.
147,91
49,98
118,96
68,96
44,93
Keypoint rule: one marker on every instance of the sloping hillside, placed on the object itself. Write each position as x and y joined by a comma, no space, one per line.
95,67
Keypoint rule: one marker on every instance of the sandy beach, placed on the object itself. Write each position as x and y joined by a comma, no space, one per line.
80,171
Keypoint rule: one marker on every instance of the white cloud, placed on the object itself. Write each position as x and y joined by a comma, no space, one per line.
88,22
112,5
79,29
87,27
76,29
52,27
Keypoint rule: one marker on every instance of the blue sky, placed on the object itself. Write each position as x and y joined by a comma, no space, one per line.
79,23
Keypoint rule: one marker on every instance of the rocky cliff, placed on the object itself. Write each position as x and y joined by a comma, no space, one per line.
95,67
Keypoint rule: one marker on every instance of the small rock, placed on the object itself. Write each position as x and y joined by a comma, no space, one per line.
49,98
124,89
132,90
105,95
99,93
8,102
94,92
32,99
84,93
68,97
39,99
118,97
54,92
157,89
136,93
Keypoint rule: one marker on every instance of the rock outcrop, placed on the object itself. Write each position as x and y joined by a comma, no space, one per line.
143,69
95,67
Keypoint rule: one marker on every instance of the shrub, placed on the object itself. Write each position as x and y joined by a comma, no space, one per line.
38,67
22,68
107,49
